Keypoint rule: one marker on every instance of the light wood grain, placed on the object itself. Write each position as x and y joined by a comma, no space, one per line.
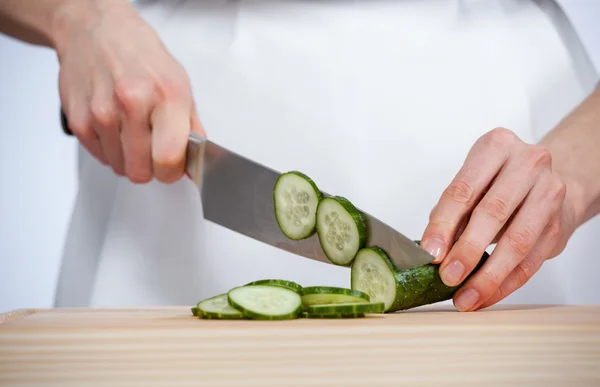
434,346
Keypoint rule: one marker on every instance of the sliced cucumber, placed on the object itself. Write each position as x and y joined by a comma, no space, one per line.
217,307
295,198
374,273
266,302
341,229
325,295
195,311
278,282
347,308
332,315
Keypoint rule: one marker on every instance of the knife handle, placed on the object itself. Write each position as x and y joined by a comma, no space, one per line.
65,123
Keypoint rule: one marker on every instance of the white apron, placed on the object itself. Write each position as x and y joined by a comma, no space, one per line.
378,101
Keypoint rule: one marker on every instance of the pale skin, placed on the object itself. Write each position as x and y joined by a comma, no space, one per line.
130,104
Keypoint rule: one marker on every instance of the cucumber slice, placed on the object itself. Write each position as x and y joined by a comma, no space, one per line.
295,198
375,274
349,308
341,229
217,307
326,295
278,282
266,302
195,311
332,315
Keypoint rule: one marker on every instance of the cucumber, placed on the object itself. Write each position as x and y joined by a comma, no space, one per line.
266,302
375,274
194,311
325,295
217,307
278,282
295,198
332,315
341,229
347,308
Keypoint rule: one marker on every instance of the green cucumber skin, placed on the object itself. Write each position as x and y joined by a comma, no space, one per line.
333,315
319,198
359,219
423,285
291,285
347,309
335,291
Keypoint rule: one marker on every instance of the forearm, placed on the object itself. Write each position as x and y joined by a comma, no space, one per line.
39,21
575,147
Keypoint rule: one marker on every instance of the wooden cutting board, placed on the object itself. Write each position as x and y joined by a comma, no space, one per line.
434,346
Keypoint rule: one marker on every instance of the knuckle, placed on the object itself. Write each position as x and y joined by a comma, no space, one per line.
490,282
521,241
557,191
539,156
133,95
460,191
499,138
104,113
471,247
174,87
555,231
496,208
524,270
82,127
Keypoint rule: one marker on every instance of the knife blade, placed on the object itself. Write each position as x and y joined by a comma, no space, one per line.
237,193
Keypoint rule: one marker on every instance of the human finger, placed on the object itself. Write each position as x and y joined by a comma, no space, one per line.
484,160
493,211
523,272
136,100
171,123
539,209
81,126
106,121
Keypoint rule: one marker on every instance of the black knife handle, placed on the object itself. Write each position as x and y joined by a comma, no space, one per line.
65,123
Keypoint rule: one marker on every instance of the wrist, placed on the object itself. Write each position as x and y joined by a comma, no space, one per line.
71,17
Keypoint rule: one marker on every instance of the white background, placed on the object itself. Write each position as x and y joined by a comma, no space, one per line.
38,164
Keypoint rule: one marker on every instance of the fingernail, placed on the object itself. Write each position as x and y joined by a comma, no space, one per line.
466,300
452,273
434,246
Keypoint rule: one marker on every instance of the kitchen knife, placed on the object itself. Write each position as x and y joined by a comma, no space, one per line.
237,193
